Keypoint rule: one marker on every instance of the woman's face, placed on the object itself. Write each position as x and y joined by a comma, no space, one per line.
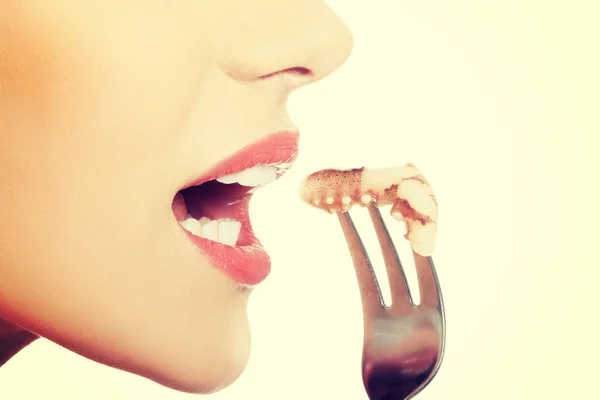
107,110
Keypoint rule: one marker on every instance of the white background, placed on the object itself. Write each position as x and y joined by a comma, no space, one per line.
497,103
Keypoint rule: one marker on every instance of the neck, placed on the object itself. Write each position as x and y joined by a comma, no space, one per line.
12,340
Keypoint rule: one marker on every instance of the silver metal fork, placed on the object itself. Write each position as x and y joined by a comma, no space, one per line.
403,343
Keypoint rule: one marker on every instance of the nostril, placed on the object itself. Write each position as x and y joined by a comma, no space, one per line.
297,71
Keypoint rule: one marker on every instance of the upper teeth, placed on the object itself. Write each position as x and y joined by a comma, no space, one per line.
253,176
226,231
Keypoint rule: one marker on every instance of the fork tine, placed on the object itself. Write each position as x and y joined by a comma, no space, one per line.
372,300
428,281
399,289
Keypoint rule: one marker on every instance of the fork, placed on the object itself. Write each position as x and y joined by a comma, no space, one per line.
403,342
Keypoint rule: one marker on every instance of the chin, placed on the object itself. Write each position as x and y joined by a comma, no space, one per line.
209,365
198,349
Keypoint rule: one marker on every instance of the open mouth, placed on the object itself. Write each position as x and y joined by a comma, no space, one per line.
214,210
217,210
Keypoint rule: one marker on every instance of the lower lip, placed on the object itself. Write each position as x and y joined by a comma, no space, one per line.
249,264
246,265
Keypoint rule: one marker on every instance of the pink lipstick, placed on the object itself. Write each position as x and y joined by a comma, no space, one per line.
213,209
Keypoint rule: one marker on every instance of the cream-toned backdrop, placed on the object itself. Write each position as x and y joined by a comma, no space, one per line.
498,103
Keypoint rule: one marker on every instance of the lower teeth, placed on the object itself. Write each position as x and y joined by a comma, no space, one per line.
226,231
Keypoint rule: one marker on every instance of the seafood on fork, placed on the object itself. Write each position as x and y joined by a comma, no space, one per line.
402,187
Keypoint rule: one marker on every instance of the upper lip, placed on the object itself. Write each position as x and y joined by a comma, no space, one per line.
279,149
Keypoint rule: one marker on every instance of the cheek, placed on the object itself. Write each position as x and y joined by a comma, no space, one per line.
70,70
90,123
93,116
26,65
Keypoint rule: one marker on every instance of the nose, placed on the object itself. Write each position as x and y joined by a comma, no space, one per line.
299,41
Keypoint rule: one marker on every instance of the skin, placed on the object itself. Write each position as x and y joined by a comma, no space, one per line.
106,110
